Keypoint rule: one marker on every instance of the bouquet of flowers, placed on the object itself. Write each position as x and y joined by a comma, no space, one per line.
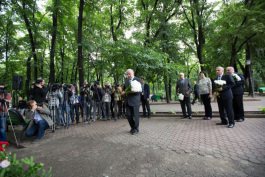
236,77
219,86
134,87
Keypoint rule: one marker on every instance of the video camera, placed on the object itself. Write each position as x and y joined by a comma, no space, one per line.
2,90
55,87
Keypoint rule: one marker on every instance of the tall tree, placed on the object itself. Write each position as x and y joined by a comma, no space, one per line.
80,60
53,40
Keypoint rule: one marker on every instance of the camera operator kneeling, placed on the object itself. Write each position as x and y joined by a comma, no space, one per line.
40,120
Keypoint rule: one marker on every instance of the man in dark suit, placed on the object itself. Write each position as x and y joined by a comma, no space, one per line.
132,102
225,98
238,92
184,87
145,98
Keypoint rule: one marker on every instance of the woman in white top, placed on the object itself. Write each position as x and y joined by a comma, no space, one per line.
205,91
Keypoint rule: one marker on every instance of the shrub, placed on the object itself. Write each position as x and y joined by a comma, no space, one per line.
10,166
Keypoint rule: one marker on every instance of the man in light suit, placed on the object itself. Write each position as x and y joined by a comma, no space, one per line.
132,102
184,87
225,98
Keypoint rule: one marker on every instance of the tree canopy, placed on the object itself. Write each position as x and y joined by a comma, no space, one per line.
70,41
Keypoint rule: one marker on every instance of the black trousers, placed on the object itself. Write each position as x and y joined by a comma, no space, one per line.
146,106
226,110
132,113
185,103
196,97
238,107
206,100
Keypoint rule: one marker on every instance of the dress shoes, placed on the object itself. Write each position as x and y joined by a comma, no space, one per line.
231,126
240,120
134,131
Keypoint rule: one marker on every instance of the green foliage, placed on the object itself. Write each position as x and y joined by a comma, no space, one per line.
25,167
263,110
153,37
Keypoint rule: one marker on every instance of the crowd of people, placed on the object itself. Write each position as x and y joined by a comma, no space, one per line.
61,105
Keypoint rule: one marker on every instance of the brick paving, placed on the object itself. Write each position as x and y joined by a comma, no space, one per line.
165,146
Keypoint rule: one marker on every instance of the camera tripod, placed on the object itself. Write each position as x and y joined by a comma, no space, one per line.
5,108
53,107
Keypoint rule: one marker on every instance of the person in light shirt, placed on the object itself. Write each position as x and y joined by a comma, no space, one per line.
205,92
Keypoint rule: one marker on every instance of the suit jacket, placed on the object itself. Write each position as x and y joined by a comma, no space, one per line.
226,93
146,92
45,114
185,88
132,99
238,88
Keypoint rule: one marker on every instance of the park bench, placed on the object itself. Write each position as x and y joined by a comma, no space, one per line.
261,90
17,120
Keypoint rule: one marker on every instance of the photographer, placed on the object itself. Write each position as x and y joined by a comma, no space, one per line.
117,101
106,101
66,104
38,92
40,120
97,100
54,99
5,99
86,102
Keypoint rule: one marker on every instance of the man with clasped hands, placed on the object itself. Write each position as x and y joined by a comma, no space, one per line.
132,102
225,98
184,87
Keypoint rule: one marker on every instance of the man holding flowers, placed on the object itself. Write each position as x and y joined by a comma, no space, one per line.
133,90
222,86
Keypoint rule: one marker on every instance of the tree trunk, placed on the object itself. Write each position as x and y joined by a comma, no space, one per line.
53,40
32,41
27,83
80,61
170,89
233,56
62,64
249,70
6,50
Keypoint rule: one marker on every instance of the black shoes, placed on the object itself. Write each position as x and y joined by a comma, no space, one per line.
188,117
240,120
134,131
207,118
231,126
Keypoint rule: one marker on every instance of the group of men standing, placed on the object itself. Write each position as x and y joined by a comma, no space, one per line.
229,97
230,100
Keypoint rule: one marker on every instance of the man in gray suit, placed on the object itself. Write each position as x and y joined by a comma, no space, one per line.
132,102
184,87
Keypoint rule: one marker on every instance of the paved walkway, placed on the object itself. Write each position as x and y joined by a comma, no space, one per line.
165,146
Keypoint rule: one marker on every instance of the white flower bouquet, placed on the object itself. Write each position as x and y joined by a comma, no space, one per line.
181,97
219,86
236,77
134,87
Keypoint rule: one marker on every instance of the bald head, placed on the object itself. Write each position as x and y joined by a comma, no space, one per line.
230,70
129,73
